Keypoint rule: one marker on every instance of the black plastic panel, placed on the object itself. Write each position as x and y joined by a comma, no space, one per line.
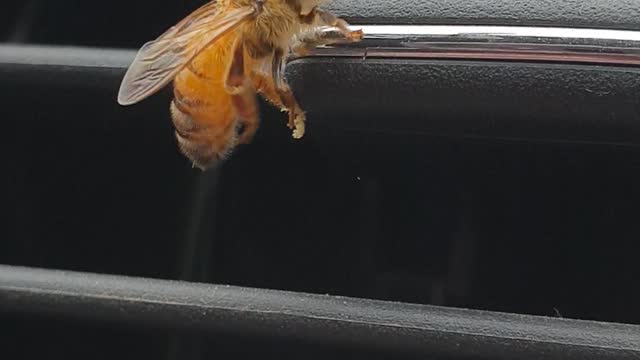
403,328
498,186
389,210
541,102
613,14
509,188
83,178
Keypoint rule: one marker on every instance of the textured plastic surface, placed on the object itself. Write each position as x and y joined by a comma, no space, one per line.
618,14
403,327
549,103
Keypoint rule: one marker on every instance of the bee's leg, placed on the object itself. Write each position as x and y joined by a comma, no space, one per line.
247,108
268,79
243,96
320,18
304,43
235,81
297,117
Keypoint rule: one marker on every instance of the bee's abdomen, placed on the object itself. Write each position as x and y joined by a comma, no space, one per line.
202,112
205,145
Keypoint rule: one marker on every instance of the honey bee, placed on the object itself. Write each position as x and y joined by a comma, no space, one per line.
219,57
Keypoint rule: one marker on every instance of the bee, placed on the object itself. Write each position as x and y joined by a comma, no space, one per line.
219,58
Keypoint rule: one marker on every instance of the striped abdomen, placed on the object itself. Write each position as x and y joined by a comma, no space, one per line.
202,111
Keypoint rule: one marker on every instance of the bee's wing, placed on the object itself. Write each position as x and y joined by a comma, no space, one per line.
159,61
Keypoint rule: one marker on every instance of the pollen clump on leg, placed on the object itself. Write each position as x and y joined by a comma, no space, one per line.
299,127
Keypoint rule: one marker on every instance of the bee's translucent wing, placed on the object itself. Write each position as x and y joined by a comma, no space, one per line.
159,61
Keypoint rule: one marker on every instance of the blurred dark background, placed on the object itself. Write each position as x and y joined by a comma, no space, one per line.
526,227
95,24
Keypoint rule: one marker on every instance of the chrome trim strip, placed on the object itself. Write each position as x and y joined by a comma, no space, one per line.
514,43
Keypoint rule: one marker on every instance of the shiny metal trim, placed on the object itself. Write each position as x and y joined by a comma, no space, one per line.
507,43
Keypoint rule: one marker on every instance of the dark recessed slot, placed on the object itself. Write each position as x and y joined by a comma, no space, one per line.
524,227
